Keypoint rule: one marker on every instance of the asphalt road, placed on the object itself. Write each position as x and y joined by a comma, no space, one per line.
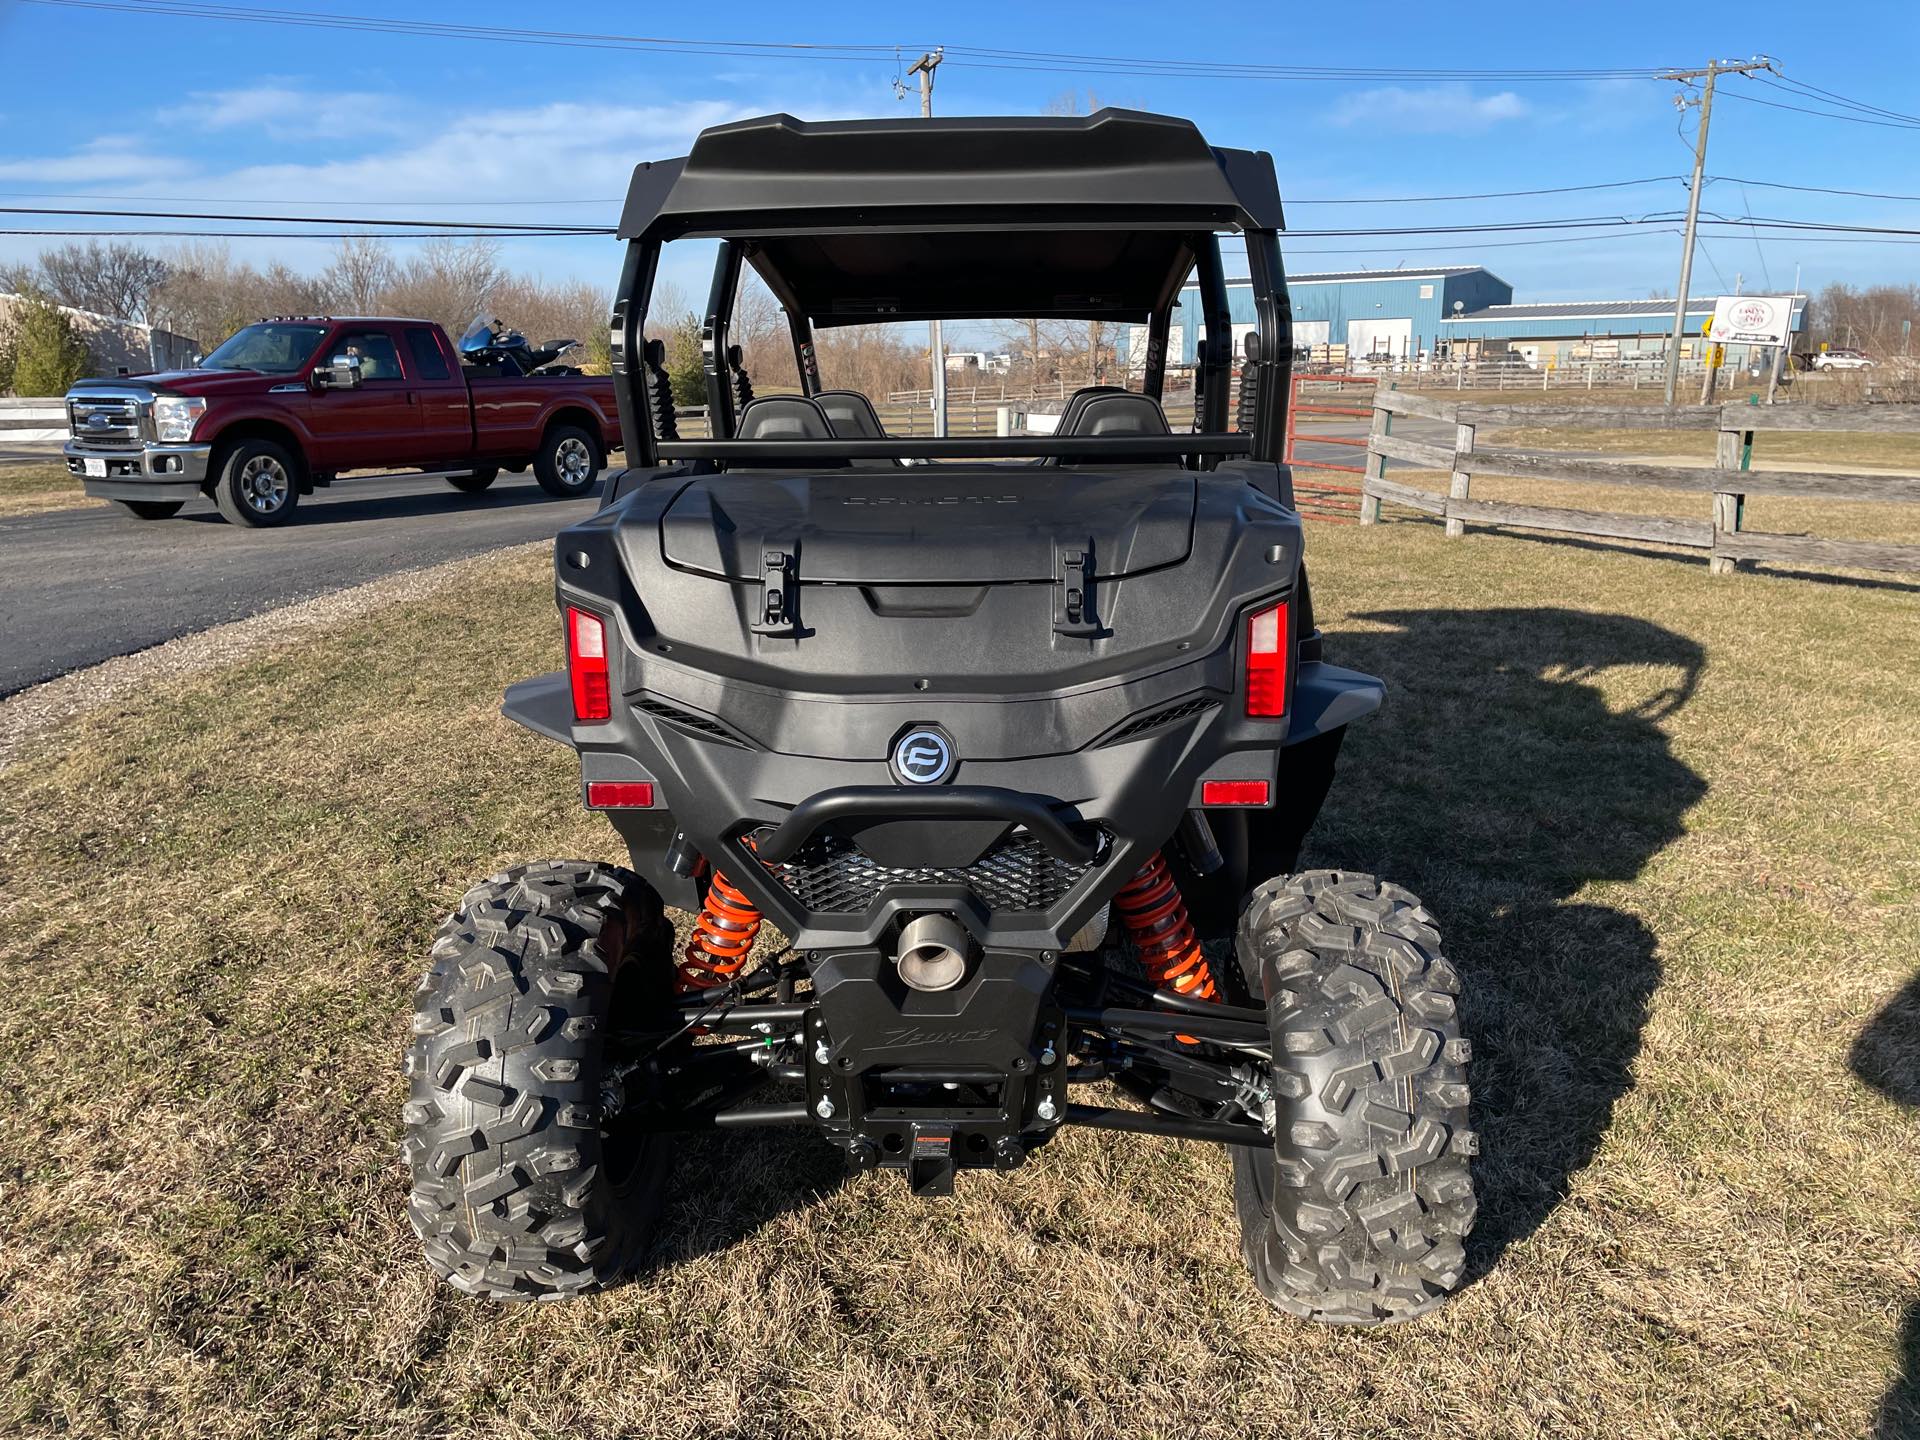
81,586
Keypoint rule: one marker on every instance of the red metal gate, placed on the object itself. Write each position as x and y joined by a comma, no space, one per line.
1348,395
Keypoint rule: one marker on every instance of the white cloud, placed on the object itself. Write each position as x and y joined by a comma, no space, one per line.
100,161
284,111
1432,110
445,162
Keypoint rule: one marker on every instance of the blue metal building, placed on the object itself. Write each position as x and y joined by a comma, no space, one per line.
1369,311
1457,311
1573,332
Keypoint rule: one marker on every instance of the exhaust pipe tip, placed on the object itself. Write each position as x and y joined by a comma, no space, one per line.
933,952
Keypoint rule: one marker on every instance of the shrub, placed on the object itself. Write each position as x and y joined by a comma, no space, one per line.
47,354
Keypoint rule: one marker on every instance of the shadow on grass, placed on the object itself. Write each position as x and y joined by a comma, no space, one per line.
728,1184
1886,1055
1498,784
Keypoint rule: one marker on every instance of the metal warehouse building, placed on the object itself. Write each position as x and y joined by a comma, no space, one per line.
1570,332
1450,312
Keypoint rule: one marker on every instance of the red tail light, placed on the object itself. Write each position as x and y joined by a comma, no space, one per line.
587,667
1268,655
620,794
1233,792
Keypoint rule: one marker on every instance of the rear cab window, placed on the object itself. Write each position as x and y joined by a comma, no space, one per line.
429,361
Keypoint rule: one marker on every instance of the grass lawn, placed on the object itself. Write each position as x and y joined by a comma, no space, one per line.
32,488
1668,821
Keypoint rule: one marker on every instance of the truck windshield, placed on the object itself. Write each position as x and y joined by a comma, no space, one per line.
272,349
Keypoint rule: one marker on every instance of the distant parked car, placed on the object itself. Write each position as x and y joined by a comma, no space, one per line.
1843,360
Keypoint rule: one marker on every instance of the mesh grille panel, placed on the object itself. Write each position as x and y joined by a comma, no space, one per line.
832,876
1172,715
686,719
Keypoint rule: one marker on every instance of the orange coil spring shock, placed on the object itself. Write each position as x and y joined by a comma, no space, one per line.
723,934
1155,914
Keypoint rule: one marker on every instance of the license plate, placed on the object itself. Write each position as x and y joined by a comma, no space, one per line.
95,469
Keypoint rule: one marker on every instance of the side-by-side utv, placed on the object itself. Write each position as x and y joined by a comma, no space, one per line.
1014,740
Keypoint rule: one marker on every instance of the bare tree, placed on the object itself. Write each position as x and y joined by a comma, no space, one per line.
116,280
450,281
208,295
361,272
1879,319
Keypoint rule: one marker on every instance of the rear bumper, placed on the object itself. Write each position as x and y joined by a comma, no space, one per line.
153,472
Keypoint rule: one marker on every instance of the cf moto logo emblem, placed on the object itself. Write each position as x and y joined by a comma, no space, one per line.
922,757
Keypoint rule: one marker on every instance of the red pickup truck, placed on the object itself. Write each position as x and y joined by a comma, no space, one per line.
291,403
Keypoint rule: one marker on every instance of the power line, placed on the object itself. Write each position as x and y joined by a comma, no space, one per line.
480,229
289,235
1823,114
1810,189
300,200
475,227
1781,82
576,40
979,57
1488,194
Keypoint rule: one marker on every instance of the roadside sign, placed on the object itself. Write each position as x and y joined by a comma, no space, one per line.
1752,319
1706,326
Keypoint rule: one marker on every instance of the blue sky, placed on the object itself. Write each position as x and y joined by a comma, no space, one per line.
247,115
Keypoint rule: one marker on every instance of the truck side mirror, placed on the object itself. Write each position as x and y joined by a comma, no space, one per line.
340,373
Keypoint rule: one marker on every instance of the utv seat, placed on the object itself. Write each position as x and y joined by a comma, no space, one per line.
853,418
1121,412
773,418
1070,413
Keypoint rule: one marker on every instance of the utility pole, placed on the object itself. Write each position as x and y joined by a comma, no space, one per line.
924,68
1713,71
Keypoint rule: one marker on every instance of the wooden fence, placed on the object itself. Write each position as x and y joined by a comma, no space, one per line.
1728,481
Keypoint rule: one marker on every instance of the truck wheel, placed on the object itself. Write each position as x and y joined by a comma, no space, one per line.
525,1184
257,483
1359,1215
151,509
567,462
476,482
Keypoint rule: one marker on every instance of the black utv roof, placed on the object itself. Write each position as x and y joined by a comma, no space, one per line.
1052,216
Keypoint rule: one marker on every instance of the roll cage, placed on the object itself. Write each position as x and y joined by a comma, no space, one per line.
1099,217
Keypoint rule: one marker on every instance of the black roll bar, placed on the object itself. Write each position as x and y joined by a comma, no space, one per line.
948,802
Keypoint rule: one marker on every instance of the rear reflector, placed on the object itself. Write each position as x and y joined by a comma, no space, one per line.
620,794
1233,792
1267,656
587,666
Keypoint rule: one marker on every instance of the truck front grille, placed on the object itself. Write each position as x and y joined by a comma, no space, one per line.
104,422
833,876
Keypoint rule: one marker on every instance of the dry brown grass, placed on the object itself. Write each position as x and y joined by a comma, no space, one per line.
1667,819
33,489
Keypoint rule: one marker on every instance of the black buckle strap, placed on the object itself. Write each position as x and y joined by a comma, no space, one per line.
778,612
1073,614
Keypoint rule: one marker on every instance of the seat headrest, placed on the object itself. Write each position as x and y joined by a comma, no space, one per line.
784,417
654,352
1122,413
733,357
852,415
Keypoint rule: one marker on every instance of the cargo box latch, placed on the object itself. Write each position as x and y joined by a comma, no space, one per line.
777,612
1073,612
